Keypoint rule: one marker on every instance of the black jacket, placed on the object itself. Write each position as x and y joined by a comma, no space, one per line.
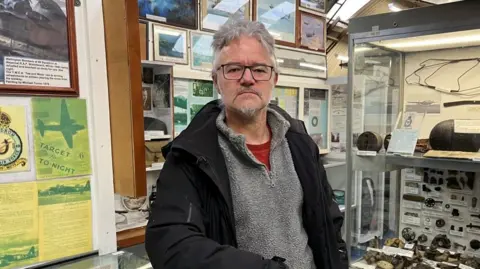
192,224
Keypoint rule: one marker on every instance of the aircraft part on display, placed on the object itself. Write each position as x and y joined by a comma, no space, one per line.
461,103
444,137
386,141
368,204
369,141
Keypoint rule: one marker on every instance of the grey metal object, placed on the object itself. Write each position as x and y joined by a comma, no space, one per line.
446,18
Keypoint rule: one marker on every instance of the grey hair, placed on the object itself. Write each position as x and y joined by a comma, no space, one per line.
237,28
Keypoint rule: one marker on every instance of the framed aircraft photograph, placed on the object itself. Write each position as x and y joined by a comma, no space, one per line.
180,13
315,5
170,44
201,51
312,32
38,51
215,13
279,17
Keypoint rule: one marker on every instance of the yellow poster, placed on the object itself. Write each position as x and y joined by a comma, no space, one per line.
18,224
65,218
13,139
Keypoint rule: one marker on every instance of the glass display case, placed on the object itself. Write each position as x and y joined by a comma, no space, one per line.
413,125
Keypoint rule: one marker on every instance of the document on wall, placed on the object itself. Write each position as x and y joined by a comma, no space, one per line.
18,224
61,137
14,144
65,218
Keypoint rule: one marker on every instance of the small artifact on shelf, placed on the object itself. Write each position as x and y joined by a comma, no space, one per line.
441,241
475,244
470,261
408,234
394,242
369,141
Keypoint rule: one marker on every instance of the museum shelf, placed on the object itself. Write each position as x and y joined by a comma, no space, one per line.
156,63
333,164
131,237
432,163
377,163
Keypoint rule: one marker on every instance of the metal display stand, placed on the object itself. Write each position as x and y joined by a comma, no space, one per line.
381,58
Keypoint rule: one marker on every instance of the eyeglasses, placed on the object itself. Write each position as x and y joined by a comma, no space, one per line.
236,71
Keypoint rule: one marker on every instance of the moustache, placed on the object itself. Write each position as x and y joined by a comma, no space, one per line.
248,90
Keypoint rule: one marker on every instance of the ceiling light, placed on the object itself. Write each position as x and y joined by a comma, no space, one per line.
394,8
313,66
436,42
342,58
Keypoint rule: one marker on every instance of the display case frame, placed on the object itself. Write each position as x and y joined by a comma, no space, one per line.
454,17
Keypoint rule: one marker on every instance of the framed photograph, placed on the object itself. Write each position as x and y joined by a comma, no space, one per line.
143,28
215,13
147,97
180,13
316,116
312,32
170,44
301,63
201,51
279,17
38,48
315,5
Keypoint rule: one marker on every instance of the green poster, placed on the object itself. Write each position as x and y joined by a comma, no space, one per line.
61,137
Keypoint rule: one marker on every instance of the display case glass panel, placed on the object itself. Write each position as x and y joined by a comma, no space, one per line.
412,98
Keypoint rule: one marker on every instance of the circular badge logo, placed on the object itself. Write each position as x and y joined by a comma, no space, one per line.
314,121
11,145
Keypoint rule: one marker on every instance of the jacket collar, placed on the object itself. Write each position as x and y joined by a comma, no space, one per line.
200,138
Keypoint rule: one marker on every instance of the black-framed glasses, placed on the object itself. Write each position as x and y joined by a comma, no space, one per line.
259,72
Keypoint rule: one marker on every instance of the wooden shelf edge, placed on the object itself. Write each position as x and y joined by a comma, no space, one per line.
131,237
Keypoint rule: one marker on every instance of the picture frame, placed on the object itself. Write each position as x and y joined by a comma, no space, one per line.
201,52
301,63
44,63
170,44
313,32
287,98
280,19
317,115
314,5
179,13
147,99
214,13
144,39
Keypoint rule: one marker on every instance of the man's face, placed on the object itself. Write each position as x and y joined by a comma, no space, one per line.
245,94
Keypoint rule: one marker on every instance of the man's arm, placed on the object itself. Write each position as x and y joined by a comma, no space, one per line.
175,235
336,215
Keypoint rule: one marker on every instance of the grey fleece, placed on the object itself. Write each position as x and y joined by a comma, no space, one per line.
267,205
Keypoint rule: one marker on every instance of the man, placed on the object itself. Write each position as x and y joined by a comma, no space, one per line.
243,185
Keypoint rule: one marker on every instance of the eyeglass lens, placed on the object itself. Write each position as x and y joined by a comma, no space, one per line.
259,72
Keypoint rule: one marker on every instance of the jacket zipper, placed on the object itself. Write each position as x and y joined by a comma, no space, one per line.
231,223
